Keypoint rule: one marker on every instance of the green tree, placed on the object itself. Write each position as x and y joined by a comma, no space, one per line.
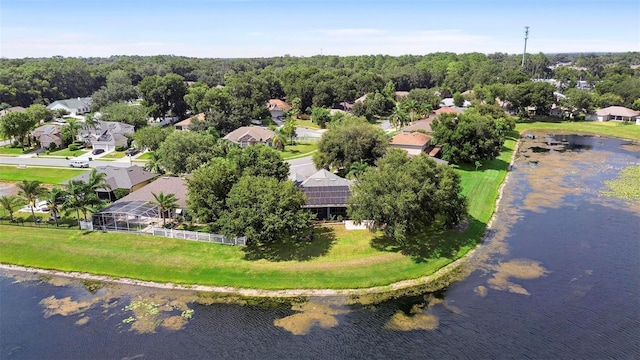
399,117
81,195
55,199
264,210
579,100
289,129
154,164
135,115
608,99
30,191
467,137
16,125
259,160
356,169
208,188
458,100
195,97
184,151
349,141
404,196
38,112
11,203
71,129
165,203
164,95
151,137
321,116
119,88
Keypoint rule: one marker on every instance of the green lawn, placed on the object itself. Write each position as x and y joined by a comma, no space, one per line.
610,128
11,151
307,124
298,150
113,155
335,259
66,153
144,157
46,175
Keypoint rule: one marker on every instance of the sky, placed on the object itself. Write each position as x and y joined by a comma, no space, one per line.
270,28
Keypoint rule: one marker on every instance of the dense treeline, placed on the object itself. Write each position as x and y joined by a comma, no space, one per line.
320,81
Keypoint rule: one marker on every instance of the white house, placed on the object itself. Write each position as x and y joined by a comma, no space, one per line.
107,135
616,113
74,107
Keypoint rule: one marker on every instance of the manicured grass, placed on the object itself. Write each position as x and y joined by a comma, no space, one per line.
298,150
66,153
144,157
113,155
11,151
46,175
307,124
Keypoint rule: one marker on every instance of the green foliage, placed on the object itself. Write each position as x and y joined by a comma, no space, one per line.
11,203
165,203
164,94
184,151
626,186
458,100
119,88
38,112
208,189
469,137
135,115
151,137
264,210
403,196
321,116
73,147
17,125
30,191
349,141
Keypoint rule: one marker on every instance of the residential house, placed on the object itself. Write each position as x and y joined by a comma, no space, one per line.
423,125
278,108
616,113
184,124
448,102
448,110
327,194
46,135
107,135
413,143
12,109
399,96
74,107
135,211
251,135
130,179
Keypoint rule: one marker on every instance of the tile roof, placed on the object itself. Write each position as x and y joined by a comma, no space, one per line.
617,111
414,138
165,184
187,121
277,104
448,110
420,125
257,133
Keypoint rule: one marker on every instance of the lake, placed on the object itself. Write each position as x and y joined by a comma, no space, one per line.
557,277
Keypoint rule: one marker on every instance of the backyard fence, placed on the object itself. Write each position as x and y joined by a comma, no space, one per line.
199,236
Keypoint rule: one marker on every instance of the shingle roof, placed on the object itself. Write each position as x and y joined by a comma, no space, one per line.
257,133
76,103
448,110
420,125
617,111
415,139
165,184
121,178
187,121
277,104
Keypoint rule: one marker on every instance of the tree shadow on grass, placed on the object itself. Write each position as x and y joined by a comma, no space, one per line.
312,244
434,242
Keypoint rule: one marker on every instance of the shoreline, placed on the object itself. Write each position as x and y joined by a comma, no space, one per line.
433,279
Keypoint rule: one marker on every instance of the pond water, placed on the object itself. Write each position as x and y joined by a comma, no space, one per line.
558,277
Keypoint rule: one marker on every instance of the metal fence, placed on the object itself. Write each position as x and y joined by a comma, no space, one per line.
199,236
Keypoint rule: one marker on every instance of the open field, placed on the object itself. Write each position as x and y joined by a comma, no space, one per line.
336,258
46,175
11,151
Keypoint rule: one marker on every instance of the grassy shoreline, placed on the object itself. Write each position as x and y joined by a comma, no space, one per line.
337,259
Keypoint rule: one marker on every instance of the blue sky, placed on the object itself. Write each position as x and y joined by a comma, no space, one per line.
266,28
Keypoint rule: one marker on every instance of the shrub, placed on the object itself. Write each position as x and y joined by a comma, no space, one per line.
53,146
121,148
73,147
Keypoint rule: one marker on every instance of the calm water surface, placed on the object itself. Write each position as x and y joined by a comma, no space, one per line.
558,278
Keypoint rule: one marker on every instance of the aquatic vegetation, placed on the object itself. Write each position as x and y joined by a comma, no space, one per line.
626,186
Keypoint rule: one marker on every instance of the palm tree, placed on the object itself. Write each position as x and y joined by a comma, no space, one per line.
164,203
30,190
54,201
153,164
72,128
97,180
289,129
11,203
399,117
90,122
356,169
413,107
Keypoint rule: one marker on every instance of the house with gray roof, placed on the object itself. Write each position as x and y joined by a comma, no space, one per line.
131,179
327,194
251,135
107,135
12,109
45,135
74,107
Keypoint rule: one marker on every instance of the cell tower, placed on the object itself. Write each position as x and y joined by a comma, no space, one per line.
526,36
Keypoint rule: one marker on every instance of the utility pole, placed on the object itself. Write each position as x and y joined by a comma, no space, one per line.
526,36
